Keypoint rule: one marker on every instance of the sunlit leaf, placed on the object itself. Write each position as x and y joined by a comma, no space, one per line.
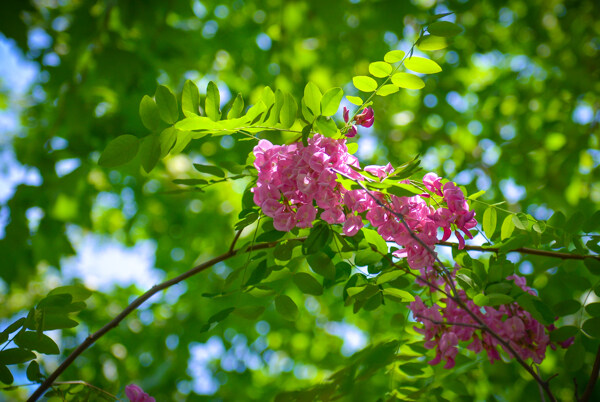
422,65
380,69
387,89
489,221
507,228
149,113
330,102
394,56
407,80
312,98
364,83
212,103
150,152
190,99
431,42
288,111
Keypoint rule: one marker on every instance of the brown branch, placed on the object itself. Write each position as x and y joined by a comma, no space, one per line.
593,378
525,250
134,305
459,324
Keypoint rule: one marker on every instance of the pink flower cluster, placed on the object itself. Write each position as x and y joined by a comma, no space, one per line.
444,327
293,178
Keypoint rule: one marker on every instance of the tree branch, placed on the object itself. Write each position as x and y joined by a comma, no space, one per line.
525,250
134,305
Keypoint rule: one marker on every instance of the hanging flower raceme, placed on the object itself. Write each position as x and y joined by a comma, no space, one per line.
444,327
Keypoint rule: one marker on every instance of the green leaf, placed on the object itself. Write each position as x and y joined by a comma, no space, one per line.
387,89
317,239
167,104
190,99
237,108
330,103
593,265
507,228
321,264
497,299
78,293
364,83
481,300
422,65
52,321
352,148
119,151
566,307
210,170
15,326
15,356
593,309
276,109
394,56
307,284
563,333
489,221
249,312
5,375
38,342
221,315
312,98
380,69
150,152
575,356
366,257
375,239
149,113
326,126
431,42
398,294
212,102
167,139
33,371
389,276
286,307
355,100
407,80
592,327
288,111
592,224
183,139
444,28
520,221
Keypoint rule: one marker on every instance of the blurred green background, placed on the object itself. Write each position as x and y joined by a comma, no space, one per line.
514,112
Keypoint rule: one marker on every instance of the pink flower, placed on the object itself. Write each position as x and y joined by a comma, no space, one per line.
433,183
352,225
365,118
136,394
346,114
352,132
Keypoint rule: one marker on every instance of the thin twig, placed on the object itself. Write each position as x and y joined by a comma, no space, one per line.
460,324
235,239
525,250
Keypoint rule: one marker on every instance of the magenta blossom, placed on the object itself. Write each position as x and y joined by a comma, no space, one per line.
136,394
